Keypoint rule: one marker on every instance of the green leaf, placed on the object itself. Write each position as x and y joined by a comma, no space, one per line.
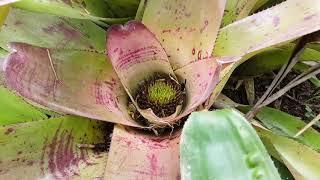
237,9
14,109
69,8
263,62
265,4
3,53
285,124
273,59
51,32
97,8
311,53
241,40
259,4
283,170
302,161
123,8
302,67
4,10
48,149
223,145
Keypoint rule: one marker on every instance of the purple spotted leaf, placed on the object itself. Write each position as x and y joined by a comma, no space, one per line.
74,82
154,157
47,149
136,54
187,29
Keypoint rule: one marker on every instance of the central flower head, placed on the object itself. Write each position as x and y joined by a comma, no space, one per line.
162,93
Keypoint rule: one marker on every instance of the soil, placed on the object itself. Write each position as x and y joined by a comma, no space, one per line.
300,101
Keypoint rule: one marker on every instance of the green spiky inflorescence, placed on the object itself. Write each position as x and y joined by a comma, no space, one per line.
161,93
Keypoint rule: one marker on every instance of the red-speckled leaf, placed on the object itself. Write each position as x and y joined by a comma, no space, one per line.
136,54
245,38
134,155
75,82
14,109
201,78
187,29
47,149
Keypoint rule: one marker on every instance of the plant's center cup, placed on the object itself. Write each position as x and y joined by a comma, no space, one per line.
162,93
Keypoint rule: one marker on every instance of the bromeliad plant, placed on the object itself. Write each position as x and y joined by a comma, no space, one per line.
158,69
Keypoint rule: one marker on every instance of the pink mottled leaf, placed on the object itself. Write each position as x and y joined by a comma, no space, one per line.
134,155
47,149
75,82
201,79
187,29
136,54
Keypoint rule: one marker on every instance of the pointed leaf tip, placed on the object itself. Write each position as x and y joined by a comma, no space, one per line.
125,29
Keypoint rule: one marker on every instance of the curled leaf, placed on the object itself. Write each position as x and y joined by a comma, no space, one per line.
201,78
136,54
